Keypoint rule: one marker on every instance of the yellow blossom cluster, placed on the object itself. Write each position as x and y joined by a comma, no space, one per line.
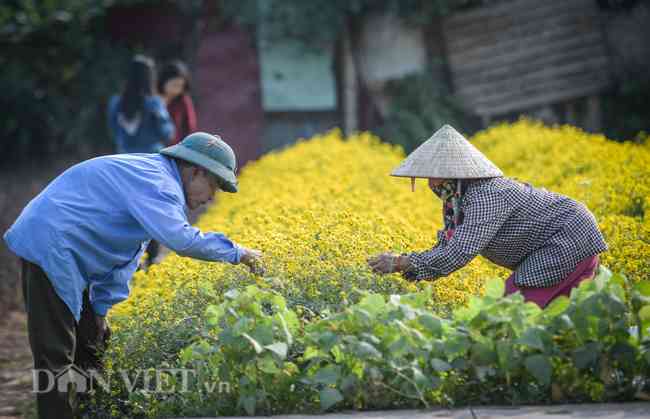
320,208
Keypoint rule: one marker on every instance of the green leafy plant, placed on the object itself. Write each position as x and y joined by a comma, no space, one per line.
248,342
394,352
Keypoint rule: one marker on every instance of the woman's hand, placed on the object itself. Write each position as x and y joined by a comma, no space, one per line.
386,263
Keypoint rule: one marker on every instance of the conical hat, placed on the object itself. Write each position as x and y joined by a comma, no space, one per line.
447,155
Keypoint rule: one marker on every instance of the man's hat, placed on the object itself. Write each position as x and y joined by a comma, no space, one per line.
211,153
447,155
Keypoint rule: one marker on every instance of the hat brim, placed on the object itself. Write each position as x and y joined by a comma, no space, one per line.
228,181
419,176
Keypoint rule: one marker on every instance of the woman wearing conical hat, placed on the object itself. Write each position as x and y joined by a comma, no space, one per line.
549,241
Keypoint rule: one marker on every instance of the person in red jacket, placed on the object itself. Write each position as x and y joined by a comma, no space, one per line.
173,86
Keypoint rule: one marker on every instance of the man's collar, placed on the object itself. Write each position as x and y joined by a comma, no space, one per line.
177,175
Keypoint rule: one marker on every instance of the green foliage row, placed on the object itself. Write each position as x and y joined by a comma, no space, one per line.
393,352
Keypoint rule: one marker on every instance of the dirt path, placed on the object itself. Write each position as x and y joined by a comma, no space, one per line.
16,398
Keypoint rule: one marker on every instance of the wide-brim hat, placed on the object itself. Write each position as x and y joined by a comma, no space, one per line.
209,152
447,155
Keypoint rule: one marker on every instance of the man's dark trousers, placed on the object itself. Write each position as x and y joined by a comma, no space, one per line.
57,340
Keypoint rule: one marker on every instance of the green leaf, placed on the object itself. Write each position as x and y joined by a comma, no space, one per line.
285,329
505,355
310,353
399,347
495,288
249,403
557,306
540,367
624,352
483,353
482,372
263,332
603,274
365,350
371,338
531,339
212,315
327,339
186,355
431,323
418,299
440,365
267,365
240,326
456,345
586,355
258,348
644,316
473,308
419,378
231,295
373,303
460,364
349,383
338,354
643,288
329,397
278,348
644,313
328,375
408,312
619,280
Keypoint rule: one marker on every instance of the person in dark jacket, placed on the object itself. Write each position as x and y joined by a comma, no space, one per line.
138,118
549,241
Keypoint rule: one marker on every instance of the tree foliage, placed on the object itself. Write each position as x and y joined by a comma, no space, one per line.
58,66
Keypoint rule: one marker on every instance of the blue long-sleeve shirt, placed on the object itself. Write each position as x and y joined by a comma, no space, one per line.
89,227
150,131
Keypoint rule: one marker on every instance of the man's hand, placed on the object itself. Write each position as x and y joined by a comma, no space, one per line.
103,331
386,263
252,259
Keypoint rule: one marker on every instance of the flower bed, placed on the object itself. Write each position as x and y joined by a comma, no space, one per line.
305,337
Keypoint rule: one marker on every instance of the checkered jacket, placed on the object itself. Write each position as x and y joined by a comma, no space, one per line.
538,234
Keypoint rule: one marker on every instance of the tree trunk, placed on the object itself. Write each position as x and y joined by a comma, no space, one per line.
350,84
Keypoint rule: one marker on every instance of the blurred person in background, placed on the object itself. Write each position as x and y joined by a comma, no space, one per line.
138,118
174,87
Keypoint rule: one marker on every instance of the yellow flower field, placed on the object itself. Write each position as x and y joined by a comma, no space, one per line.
319,208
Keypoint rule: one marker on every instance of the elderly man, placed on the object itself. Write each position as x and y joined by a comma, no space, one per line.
81,238
550,241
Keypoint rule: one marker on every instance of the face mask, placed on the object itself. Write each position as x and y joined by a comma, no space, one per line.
444,190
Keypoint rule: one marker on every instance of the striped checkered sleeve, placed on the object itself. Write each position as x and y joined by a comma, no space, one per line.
485,211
